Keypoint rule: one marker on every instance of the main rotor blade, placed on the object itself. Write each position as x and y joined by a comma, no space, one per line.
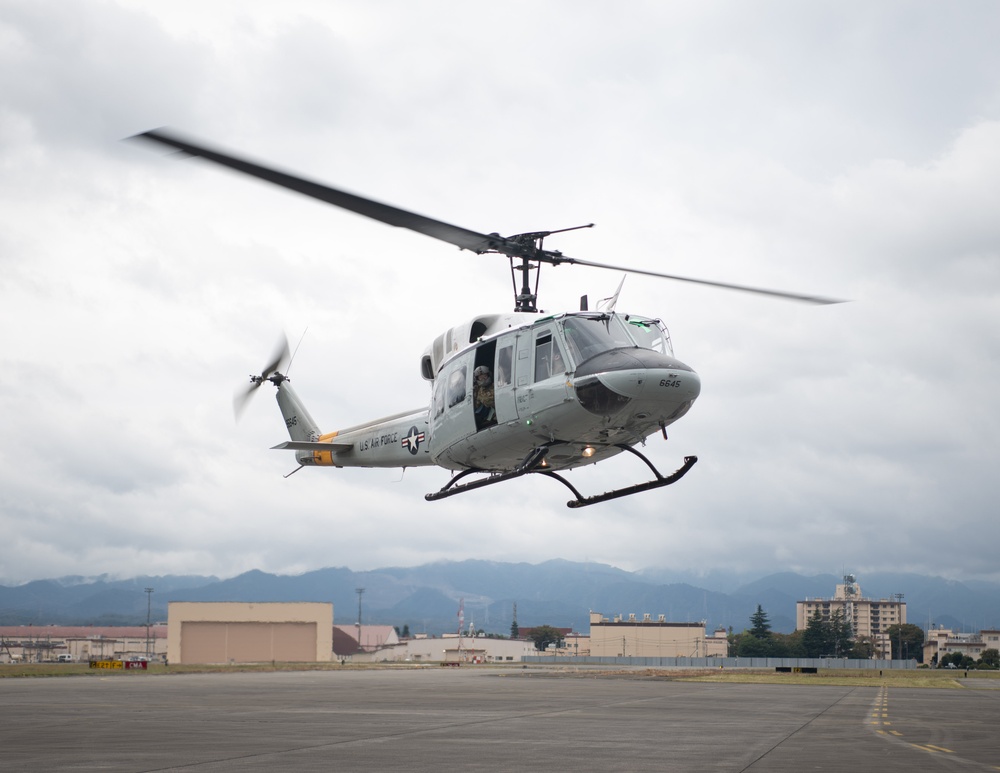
401,218
436,229
817,299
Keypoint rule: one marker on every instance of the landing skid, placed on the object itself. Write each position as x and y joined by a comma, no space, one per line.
532,464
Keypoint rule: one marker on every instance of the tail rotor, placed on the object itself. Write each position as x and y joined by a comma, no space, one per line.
270,373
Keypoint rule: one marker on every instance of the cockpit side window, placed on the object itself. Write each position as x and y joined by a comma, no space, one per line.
650,334
549,360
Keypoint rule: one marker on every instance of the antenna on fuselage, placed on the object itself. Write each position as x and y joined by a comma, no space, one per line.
608,304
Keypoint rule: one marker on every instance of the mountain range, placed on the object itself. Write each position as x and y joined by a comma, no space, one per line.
558,593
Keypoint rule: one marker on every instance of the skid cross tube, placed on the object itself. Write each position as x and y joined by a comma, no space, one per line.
531,464
580,501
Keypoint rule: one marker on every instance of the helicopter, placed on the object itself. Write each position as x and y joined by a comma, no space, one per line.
511,394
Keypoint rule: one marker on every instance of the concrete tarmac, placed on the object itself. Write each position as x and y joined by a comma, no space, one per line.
483,719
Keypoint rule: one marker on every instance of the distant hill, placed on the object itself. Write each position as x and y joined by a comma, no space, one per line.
558,593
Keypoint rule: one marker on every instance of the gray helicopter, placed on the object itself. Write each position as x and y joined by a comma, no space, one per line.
512,394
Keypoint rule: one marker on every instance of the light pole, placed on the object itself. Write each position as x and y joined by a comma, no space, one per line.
149,607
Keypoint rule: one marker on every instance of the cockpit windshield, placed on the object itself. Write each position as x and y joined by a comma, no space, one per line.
589,335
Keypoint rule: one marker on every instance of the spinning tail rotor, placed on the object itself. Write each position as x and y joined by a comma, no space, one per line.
270,373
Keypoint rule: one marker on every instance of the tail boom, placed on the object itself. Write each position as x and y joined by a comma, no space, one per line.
401,440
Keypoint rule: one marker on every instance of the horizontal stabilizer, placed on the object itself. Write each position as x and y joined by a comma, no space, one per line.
306,445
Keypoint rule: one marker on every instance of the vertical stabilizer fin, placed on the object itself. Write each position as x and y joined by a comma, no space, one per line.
300,424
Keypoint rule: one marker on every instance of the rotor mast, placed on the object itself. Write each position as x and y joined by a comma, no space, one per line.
530,244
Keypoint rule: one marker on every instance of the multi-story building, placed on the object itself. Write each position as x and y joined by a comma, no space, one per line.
944,641
868,618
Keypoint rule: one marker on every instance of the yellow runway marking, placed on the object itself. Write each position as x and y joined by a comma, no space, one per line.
931,748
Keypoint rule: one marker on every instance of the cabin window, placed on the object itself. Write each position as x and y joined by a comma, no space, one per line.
438,398
549,360
450,388
456,386
505,365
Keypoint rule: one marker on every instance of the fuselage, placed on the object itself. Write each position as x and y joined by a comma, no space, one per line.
584,384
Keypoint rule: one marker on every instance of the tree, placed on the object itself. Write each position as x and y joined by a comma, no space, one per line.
841,634
990,658
863,648
543,636
907,641
750,646
761,624
786,645
816,637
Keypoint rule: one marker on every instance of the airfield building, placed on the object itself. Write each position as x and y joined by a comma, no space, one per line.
944,641
629,636
868,618
70,643
235,632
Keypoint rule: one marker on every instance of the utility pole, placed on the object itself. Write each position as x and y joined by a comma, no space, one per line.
149,607
899,623
360,592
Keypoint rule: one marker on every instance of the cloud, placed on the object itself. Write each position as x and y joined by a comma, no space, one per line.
781,145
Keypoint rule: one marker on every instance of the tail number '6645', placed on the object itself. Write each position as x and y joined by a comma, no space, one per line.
666,382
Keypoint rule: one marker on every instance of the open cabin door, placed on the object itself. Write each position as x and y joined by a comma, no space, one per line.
508,367
452,417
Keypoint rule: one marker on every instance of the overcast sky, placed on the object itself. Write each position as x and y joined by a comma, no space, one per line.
850,150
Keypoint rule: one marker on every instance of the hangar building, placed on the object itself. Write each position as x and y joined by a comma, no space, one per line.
658,638
237,632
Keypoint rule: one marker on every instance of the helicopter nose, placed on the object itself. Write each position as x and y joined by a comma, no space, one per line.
629,359
612,379
670,384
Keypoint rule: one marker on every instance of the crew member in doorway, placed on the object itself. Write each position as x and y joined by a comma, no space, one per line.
482,397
